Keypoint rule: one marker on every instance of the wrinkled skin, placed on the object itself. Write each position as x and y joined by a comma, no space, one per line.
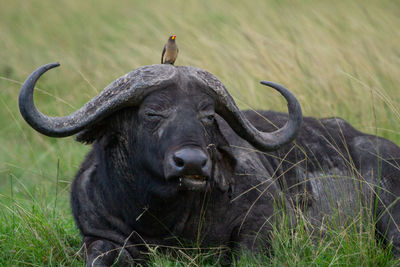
122,199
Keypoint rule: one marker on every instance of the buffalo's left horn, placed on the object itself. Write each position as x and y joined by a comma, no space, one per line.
128,90
265,141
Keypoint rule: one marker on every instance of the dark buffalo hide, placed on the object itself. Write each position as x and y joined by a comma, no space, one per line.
169,171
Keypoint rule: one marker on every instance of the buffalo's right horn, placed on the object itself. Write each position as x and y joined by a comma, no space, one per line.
128,90
226,107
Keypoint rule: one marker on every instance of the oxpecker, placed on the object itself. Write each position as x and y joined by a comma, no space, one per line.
170,51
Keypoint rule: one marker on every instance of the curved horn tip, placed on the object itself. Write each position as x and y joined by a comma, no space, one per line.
270,84
52,65
280,88
25,100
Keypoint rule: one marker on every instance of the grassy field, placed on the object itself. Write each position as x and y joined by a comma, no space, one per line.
339,58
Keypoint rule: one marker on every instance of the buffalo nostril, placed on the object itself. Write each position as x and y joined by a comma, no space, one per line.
204,162
178,161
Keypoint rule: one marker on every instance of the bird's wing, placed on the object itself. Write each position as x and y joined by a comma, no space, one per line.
162,55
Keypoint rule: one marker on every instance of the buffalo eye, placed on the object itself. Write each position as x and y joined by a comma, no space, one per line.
208,119
153,115
206,111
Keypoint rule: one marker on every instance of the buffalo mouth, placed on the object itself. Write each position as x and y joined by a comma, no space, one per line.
193,182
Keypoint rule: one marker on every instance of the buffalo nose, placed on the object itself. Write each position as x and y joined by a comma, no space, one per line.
190,159
187,161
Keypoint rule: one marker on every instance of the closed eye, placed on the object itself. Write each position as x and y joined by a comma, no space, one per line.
155,115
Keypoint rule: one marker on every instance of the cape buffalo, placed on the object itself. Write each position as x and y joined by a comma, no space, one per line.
174,162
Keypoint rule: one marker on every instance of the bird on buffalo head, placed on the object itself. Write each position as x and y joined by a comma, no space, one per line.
170,51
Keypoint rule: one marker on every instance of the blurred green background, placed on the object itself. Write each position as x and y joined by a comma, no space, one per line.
340,58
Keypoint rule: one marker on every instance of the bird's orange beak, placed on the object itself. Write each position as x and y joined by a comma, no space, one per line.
173,37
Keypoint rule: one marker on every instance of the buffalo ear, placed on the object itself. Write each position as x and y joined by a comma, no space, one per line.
224,168
225,161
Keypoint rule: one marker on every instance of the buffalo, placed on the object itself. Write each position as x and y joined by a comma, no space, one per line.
174,161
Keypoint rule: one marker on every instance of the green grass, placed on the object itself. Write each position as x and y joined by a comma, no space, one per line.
340,58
